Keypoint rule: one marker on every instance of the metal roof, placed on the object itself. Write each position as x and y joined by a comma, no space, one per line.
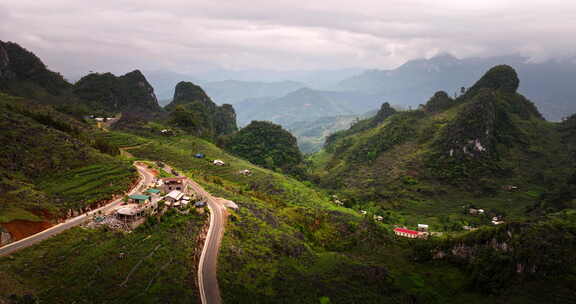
139,197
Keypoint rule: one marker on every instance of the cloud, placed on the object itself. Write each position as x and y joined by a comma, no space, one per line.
183,35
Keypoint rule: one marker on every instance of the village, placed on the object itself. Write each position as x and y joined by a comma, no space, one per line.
153,199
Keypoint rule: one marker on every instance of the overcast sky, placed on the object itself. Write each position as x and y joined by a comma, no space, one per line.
74,36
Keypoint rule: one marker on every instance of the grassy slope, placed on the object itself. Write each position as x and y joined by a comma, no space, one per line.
288,243
85,266
57,168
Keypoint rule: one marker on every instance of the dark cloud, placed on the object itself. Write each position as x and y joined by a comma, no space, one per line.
182,35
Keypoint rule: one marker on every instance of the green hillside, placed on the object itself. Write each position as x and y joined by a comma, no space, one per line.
57,169
425,165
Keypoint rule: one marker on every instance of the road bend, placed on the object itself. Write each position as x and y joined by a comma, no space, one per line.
207,268
146,179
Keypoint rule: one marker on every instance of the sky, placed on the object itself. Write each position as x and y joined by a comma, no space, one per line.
74,37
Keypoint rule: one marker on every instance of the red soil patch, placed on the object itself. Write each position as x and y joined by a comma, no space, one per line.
20,229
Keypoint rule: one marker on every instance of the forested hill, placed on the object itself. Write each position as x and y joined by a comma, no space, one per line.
465,149
191,109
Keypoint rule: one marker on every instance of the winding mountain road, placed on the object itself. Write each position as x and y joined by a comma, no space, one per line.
146,179
207,268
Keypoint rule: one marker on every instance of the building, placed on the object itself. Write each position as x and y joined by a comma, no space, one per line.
403,232
246,172
129,212
153,191
200,204
218,162
199,155
172,183
422,227
139,198
174,197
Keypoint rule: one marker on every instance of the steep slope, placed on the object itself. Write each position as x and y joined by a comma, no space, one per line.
450,151
24,74
64,167
191,109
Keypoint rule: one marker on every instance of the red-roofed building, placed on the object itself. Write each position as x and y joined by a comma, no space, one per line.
407,233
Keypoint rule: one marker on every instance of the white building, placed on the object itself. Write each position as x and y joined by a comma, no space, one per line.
173,197
218,162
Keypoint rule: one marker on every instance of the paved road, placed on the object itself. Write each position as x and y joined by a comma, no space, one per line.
146,179
207,268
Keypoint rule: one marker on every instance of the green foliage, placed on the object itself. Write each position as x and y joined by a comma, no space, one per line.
267,145
192,110
92,266
24,66
111,94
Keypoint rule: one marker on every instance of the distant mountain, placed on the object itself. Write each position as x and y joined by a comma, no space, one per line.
245,84
548,84
305,105
311,135
234,91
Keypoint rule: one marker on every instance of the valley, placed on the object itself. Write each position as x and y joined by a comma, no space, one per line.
208,212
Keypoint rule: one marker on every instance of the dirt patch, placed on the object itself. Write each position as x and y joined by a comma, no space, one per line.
20,229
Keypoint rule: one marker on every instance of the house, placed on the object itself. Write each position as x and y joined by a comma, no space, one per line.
199,155
403,232
378,218
497,220
153,191
166,132
173,197
246,172
129,212
172,183
200,204
423,227
218,162
139,198
510,188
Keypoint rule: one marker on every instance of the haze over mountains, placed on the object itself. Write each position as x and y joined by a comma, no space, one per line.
276,97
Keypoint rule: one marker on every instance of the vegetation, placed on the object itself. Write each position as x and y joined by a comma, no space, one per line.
192,110
156,263
267,145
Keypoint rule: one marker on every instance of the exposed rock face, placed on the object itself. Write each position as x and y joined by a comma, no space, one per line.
127,93
19,65
193,110
473,133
